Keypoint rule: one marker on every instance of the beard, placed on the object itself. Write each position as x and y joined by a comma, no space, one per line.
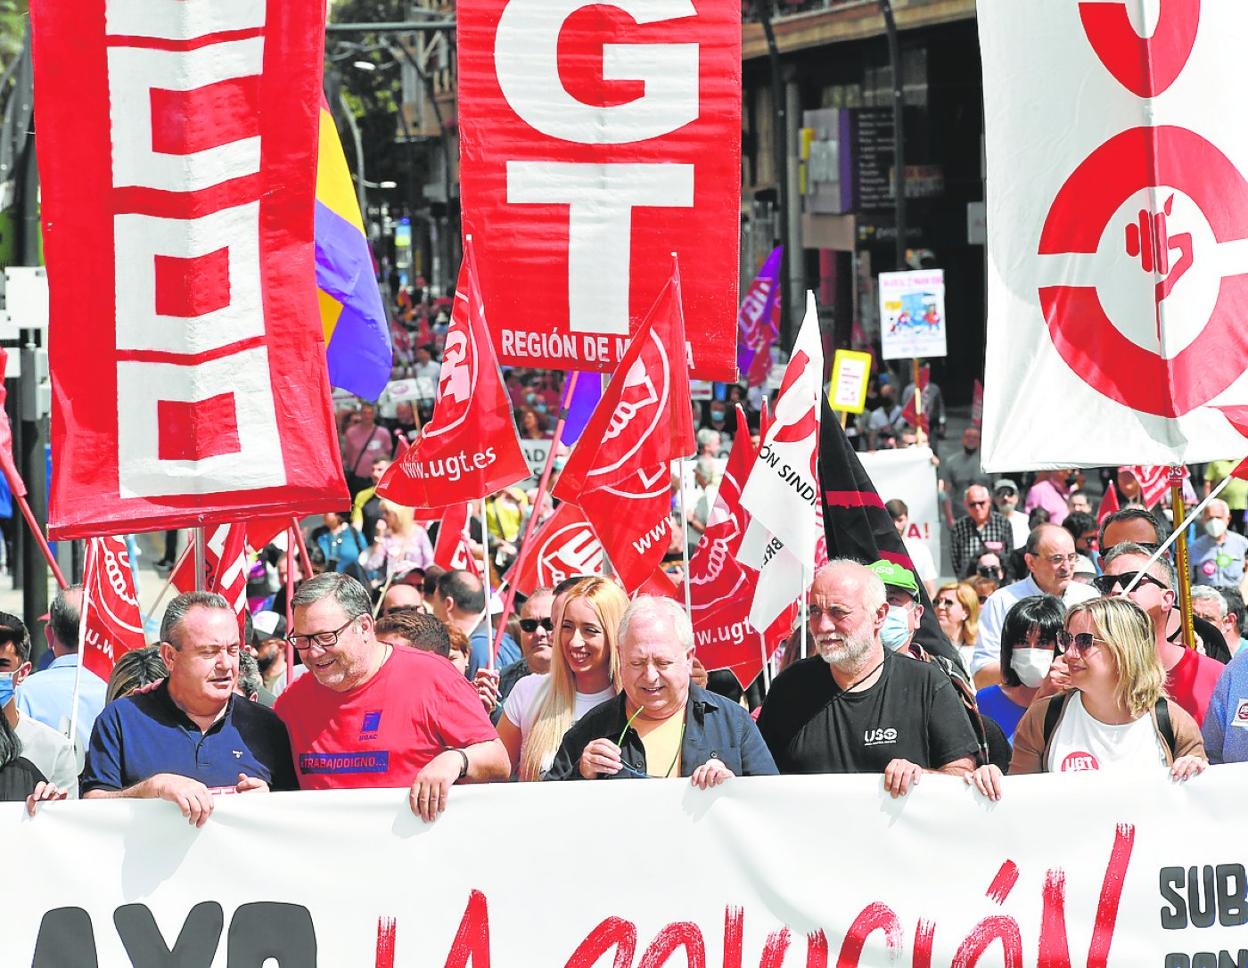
849,650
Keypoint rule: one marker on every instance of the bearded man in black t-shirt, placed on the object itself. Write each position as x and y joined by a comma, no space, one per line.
857,707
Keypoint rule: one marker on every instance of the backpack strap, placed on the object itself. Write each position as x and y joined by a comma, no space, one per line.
1164,725
1051,715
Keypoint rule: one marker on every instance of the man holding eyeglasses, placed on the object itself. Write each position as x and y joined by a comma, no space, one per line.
661,724
1051,559
983,529
191,736
536,641
372,715
1190,676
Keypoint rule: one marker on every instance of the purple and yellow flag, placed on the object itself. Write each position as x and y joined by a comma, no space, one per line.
357,335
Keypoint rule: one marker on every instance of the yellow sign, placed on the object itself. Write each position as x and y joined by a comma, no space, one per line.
850,372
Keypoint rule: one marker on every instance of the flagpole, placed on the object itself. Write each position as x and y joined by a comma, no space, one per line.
1181,564
88,569
29,515
765,672
302,545
543,484
684,544
801,614
197,539
485,575
290,614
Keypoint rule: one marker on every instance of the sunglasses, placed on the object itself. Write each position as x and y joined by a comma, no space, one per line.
1110,584
945,602
1076,644
531,625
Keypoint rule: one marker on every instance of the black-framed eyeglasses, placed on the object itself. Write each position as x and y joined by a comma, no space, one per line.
1076,643
1110,584
531,625
325,640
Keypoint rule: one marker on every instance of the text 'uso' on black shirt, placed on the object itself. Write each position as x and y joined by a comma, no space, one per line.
911,712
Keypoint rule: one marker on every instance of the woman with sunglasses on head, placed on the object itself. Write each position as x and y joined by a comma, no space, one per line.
1028,647
957,610
584,671
1117,715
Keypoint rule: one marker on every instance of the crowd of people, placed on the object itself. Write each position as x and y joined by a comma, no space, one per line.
401,688
1068,648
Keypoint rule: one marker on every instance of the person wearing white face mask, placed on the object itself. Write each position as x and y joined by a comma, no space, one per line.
1028,648
1218,554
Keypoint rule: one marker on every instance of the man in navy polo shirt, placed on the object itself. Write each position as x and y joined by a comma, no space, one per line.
191,736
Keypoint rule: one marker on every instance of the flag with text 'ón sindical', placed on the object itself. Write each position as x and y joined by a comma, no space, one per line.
470,448
721,588
353,317
858,526
782,491
111,624
619,473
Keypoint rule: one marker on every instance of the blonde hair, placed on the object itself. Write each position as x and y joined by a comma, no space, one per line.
404,517
558,697
1126,632
965,593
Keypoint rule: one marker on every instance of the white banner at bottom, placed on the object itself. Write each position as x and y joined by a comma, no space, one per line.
1077,869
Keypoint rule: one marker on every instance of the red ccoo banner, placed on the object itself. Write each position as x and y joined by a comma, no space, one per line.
593,144
177,147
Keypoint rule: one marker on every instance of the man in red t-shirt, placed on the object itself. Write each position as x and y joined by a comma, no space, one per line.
1190,676
373,715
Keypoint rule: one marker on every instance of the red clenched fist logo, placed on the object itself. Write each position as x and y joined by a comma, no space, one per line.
1159,202
1144,66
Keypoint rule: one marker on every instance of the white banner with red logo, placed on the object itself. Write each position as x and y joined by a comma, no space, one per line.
593,142
177,144
1118,232
778,871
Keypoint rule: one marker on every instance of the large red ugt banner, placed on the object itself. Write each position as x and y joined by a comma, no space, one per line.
177,146
595,141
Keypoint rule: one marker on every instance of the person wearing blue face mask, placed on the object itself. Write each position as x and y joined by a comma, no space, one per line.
904,611
49,751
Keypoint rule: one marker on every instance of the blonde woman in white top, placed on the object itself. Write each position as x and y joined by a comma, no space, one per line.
584,672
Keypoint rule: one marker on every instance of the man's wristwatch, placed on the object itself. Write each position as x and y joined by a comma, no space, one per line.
463,770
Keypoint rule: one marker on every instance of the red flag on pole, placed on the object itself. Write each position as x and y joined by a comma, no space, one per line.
111,623
452,551
619,473
16,485
1109,503
470,448
909,412
225,566
644,418
564,546
977,404
1154,481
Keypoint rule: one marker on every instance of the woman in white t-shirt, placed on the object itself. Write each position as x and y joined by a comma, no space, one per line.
584,672
1117,716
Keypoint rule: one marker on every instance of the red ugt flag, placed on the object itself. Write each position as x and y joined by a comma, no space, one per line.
564,546
111,623
470,448
16,485
451,551
619,472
